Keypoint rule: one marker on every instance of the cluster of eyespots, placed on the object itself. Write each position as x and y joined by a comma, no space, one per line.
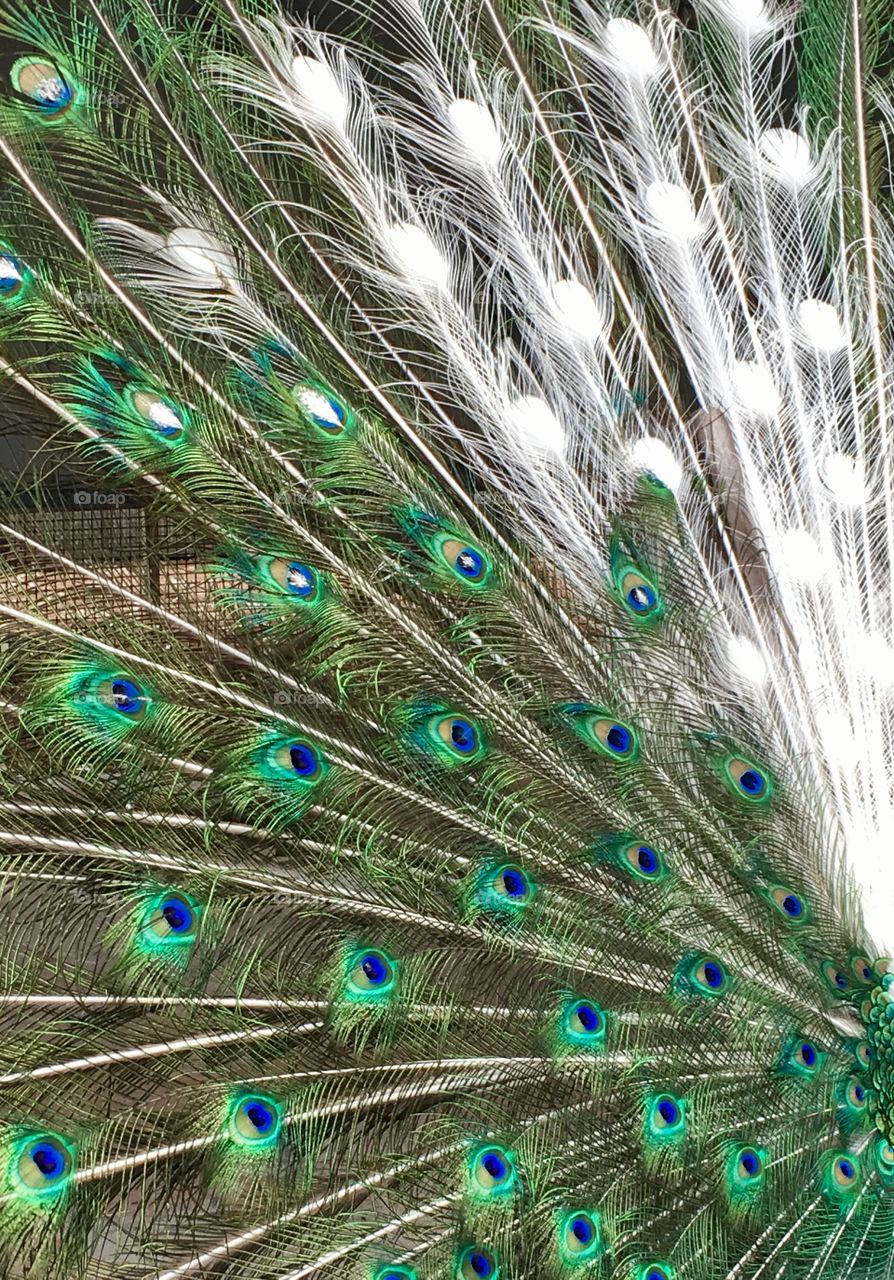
580,1236
170,920
701,975
41,81
323,408
492,1172
371,975
475,1262
42,1165
601,730
158,413
255,1121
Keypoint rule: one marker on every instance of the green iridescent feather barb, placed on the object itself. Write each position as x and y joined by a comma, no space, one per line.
445,843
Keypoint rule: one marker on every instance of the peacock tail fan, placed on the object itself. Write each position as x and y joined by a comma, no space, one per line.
445,641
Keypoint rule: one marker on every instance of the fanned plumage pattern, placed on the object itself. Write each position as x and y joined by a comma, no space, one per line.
459,885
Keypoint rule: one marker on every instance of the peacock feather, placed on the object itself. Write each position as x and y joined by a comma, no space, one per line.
448,843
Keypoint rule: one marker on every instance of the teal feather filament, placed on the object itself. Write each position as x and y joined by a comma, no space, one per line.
40,1167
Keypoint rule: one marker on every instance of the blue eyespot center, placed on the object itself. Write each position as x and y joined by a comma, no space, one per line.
49,1161
582,1230
494,1166
808,1054
463,736
619,739
514,883
647,859
10,273
713,975
749,1163
859,1092
588,1017
641,598
792,905
374,968
177,914
260,1116
481,1264
751,782
840,981
846,1169
669,1111
469,563
127,697
300,580
303,759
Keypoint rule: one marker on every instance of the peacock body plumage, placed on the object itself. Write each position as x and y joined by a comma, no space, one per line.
435,852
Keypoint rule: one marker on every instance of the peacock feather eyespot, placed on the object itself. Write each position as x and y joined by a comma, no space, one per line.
394,1271
456,739
467,562
254,1121
745,1175
45,85
114,699
583,1024
323,408
700,974
655,1271
645,862
502,888
861,969
802,1058
863,1054
579,1234
602,731
370,975
169,921
747,780
790,905
853,1099
14,276
492,1172
664,1119
841,1175
293,577
42,1166
300,760
157,413
836,977
633,582
476,1262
